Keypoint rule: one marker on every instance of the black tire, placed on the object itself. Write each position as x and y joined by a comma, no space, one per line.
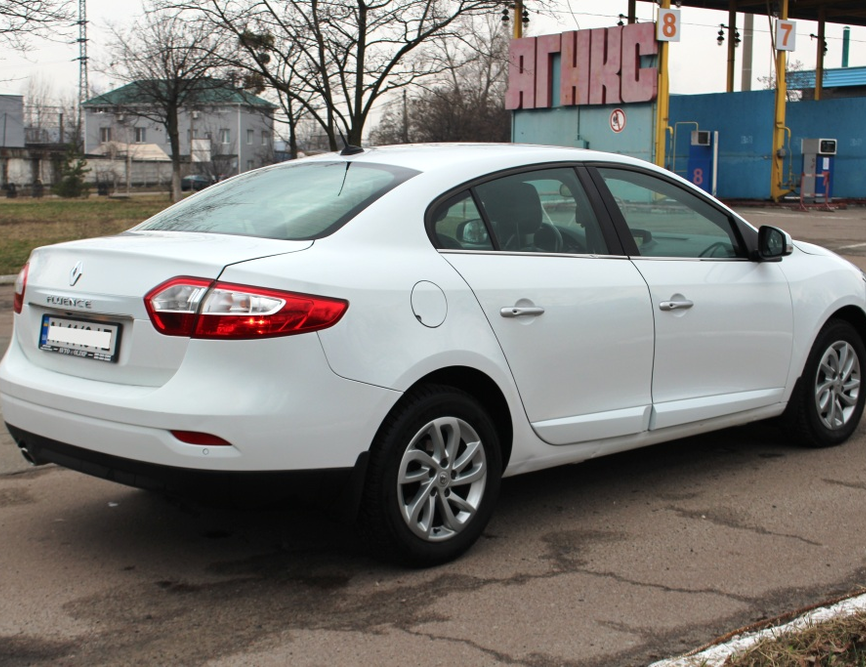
438,454
827,402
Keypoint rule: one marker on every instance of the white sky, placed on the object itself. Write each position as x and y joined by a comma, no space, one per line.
697,63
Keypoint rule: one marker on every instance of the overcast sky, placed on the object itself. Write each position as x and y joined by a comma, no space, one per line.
697,63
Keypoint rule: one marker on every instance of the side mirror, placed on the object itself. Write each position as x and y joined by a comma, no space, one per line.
773,244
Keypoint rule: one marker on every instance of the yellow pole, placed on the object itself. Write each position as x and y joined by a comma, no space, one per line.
662,99
518,19
777,172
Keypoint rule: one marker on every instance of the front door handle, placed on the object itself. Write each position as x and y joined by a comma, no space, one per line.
676,305
518,311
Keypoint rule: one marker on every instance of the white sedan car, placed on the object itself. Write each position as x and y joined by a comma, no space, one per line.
405,326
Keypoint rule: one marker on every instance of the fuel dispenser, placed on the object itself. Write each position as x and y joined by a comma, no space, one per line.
819,156
704,159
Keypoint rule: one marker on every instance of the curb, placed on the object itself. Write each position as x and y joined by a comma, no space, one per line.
715,656
7,280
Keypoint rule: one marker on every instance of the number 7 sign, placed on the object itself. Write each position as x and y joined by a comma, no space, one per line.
786,35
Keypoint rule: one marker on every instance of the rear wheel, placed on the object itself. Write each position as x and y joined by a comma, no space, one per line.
827,402
433,477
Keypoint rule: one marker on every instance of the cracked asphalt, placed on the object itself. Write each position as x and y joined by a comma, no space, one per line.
619,561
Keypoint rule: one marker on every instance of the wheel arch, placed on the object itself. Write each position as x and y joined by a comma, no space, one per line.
854,316
482,388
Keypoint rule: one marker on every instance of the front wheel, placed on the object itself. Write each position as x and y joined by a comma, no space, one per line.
433,477
827,402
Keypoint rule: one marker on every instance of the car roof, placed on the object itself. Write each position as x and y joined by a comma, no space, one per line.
430,158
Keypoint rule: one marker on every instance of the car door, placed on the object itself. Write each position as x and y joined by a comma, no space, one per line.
573,321
723,323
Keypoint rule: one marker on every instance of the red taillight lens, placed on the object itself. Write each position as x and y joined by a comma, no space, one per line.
202,309
20,285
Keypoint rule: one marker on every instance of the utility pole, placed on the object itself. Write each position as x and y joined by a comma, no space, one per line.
83,86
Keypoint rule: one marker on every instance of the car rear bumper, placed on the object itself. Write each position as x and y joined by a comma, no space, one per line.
334,488
277,412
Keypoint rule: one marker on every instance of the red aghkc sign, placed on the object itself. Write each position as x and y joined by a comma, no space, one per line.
600,66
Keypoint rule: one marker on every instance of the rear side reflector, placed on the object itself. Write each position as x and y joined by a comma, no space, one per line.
200,308
20,285
196,438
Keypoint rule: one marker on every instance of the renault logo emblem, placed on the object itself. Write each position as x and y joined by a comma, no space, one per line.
76,273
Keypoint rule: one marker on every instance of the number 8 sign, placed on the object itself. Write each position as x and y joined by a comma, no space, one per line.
668,27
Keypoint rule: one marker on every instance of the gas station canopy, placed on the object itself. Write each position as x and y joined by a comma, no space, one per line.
848,12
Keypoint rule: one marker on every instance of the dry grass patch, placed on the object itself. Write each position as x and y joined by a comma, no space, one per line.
29,223
840,642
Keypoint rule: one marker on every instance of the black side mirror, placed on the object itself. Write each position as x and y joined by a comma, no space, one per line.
773,244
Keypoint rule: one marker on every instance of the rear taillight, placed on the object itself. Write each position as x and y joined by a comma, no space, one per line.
20,285
200,308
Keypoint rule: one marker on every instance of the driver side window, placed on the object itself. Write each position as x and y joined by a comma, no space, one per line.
668,221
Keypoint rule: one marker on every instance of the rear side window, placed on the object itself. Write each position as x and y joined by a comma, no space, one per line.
295,201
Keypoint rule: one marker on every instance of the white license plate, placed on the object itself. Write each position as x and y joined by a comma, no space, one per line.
80,338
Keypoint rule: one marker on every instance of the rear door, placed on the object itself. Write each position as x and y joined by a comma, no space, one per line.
572,317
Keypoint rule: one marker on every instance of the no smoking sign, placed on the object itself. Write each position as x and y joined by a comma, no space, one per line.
617,120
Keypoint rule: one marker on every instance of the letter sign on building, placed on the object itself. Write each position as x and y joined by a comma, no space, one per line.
599,66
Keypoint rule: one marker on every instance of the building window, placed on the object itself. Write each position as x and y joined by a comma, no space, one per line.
225,136
250,165
266,137
140,135
104,135
250,134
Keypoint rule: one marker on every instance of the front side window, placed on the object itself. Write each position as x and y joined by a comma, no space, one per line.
297,201
666,220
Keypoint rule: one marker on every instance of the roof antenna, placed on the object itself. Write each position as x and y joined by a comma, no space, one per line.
349,149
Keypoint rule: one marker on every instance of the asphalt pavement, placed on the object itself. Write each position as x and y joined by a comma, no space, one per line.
620,561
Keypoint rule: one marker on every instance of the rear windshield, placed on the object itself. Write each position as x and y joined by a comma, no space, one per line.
292,201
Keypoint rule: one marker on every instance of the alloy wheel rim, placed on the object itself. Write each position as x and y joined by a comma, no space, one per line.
441,479
837,385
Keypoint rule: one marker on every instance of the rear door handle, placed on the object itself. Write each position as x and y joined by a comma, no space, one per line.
525,311
676,305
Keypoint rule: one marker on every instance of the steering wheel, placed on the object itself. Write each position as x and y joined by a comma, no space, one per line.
710,249
544,234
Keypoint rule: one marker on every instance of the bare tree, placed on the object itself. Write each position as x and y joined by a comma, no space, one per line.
47,118
169,63
335,59
22,19
465,102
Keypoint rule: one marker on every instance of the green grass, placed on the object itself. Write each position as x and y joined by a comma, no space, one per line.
29,223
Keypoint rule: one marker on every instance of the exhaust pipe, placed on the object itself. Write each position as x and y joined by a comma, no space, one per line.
28,456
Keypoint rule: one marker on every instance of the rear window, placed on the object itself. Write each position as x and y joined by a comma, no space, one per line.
294,201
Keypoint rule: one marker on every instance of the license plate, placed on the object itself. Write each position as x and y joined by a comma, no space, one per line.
80,338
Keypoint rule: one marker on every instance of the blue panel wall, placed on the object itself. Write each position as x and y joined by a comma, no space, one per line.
843,120
744,122
745,125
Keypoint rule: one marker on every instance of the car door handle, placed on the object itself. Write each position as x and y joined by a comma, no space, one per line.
518,311
676,305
